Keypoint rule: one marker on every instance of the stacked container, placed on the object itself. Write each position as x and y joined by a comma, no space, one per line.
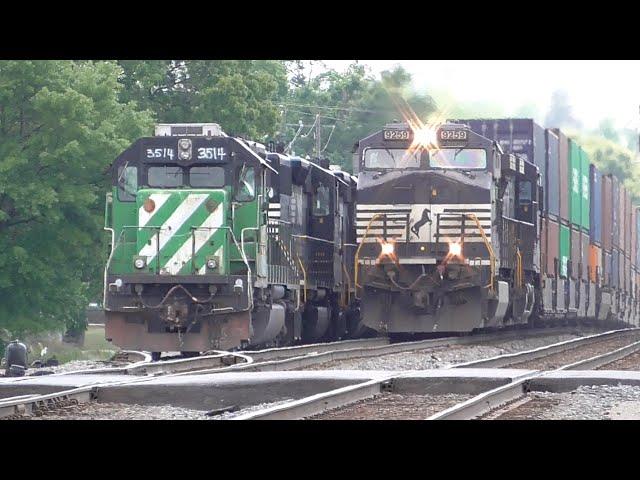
607,228
595,223
564,198
551,218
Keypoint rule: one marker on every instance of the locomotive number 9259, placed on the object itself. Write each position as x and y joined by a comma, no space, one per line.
453,135
396,134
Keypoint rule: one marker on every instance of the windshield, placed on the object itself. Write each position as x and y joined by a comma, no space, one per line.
165,177
460,158
382,158
206,177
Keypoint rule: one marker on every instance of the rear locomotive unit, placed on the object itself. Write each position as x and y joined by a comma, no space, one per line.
446,230
217,243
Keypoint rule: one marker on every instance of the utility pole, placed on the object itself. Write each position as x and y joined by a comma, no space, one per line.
318,128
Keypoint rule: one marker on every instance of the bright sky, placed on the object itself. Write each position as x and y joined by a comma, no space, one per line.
596,88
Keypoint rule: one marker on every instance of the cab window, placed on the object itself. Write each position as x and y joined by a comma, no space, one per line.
165,177
208,177
246,190
127,183
321,201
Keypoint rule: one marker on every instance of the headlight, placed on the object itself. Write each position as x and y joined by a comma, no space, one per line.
139,263
184,145
455,249
211,263
387,248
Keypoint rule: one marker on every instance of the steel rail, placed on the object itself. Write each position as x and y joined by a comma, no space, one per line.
30,403
527,355
599,360
487,401
316,404
313,358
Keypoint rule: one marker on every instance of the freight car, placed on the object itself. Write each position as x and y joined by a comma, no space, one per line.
489,223
217,243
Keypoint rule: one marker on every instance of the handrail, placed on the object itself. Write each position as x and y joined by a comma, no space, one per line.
357,256
492,257
304,274
519,272
307,237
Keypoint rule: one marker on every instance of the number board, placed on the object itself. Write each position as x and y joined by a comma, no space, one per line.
456,136
396,135
201,151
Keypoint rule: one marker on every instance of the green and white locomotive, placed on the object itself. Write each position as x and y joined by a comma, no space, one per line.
217,243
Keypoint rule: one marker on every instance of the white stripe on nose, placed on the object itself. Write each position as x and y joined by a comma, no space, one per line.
173,224
202,235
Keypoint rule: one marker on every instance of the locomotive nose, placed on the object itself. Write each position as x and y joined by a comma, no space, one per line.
181,232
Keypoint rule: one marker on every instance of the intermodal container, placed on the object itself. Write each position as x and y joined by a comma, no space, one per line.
627,223
637,238
584,255
615,211
574,185
627,274
564,250
552,250
520,136
607,269
595,207
585,222
552,186
607,216
543,246
634,236
595,262
621,215
563,162
575,252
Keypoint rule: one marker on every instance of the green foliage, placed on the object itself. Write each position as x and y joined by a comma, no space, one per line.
610,157
61,125
240,95
351,105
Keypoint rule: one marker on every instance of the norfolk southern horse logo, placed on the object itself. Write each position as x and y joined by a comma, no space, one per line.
420,223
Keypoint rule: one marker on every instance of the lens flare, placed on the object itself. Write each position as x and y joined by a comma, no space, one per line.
387,250
455,249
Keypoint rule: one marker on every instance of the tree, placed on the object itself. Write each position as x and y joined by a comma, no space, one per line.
351,106
608,130
610,157
240,95
61,125
560,115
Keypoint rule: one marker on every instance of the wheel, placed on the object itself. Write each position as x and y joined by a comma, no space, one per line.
155,356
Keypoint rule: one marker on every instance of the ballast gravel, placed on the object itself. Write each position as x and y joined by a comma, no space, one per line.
590,402
122,411
443,356
393,406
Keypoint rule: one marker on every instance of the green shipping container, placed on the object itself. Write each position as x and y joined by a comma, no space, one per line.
565,249
575,183
584,160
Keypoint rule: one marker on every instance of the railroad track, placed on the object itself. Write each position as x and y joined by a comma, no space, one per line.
263,360
493,403
480,404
